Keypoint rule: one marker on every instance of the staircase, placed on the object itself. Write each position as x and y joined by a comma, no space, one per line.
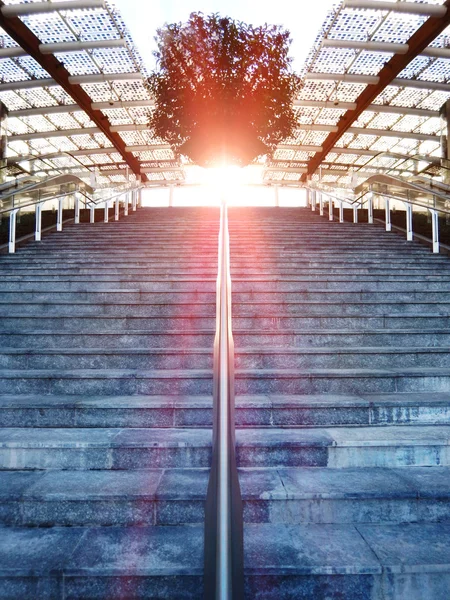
342,338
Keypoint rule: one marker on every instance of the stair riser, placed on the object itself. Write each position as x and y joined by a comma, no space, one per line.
155,286
151,511
110,340
127,296
149,361
210,270
177,323
192,285
341,385
205,340
269,311
121,458
201,417
108,386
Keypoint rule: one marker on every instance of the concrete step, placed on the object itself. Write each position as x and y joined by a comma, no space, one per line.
125,296
370,561
197,308
245,359
256,381
176,496
137,411
306,338
275,322
132,448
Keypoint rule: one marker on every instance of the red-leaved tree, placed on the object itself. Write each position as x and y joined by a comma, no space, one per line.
224,90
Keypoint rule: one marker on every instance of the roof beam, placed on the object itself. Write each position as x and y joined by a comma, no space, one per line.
299,148
89,130
46,110
420,40
65,47
123,104
37,135
370,46
379,108
33,8
337,149
314,127
300,170
25,38
369,80
80,46
410,135
162,170
70,80
69,108
325,104
88,152
376,132
421,85
147,148
384,47
412,8
344,77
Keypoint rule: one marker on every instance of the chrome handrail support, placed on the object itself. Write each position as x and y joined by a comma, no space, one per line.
224,547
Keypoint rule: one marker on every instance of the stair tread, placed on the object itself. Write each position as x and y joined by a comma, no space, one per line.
419,435
270,548
283,483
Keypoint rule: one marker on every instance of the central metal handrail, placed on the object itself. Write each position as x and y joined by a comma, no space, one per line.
224,552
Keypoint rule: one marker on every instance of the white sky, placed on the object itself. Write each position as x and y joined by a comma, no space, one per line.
303,18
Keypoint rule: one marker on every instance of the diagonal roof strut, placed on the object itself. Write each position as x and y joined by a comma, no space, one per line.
27,40
420,40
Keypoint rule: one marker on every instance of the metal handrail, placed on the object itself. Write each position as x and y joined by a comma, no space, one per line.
358,203
224,547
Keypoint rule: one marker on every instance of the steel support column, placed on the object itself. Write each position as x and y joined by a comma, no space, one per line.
38,227
12,231
59,215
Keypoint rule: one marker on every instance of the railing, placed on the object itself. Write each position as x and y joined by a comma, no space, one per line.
367,197
224,552
19,200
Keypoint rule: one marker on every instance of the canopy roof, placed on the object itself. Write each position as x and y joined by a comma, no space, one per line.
89,38
75,87
345,70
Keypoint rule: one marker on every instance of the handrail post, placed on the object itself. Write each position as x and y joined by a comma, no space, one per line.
59,215
330,208
12,231
355,213
435,226
106,215
92,213
370,209
409,222
387,208
125,204
38,227
116,208
133,200
341,212
223,548
313,200
320,204
77,209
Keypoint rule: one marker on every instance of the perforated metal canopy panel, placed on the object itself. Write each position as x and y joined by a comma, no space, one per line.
44,118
